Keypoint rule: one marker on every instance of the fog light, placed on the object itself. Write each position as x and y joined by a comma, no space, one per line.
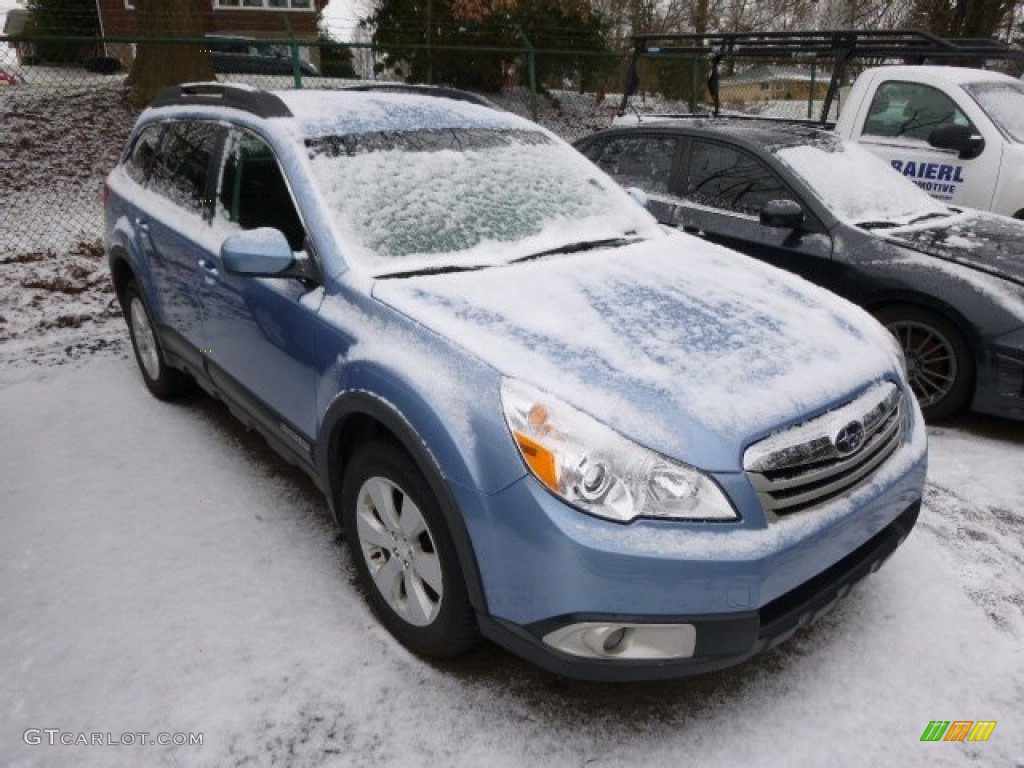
598,640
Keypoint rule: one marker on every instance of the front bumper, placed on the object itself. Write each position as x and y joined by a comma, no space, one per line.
722,640
1000,389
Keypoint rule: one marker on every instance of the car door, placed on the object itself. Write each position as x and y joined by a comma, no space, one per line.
641,160
721,190
900,119
172,224
260,331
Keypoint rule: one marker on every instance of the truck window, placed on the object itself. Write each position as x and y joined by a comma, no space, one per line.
910,110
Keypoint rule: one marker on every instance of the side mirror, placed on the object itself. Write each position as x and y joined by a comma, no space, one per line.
783,214
959,138
262,252
640,196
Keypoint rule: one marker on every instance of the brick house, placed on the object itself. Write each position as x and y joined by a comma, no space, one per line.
276,19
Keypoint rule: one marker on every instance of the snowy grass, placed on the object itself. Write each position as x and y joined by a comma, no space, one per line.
162,571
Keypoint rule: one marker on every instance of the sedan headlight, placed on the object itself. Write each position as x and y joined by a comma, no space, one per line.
594,468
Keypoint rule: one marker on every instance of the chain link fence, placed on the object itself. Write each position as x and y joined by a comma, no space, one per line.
62,127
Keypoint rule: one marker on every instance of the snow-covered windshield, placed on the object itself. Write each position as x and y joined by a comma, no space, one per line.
1003,102
857,186
432,199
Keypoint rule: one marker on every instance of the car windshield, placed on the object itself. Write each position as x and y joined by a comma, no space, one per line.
1003,102
442,199
856,186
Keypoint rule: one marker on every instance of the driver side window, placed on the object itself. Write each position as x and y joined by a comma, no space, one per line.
253,192
722,177
910,110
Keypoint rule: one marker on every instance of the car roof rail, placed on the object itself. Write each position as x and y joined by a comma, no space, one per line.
233,95
440,91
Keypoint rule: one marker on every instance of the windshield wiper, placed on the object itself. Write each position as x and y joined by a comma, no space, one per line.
443,270
878,224
583,245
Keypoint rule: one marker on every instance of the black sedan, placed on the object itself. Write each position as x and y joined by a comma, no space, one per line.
948,283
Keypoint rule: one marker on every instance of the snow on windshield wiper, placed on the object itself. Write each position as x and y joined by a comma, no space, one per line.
441,270
583,245
932,215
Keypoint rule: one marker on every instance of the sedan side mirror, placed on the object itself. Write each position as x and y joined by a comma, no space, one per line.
262,252
960,138
783,214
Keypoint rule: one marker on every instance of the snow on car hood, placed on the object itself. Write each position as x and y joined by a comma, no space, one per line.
682,346
975,239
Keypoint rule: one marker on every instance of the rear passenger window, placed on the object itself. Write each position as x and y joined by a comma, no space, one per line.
140,163
722,177
181,168
253,192
637,161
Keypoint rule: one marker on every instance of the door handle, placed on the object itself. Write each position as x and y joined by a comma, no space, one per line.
210,273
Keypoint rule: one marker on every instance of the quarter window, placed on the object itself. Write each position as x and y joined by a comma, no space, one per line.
723,177
910,110
181,167
253,192
140,163
637,161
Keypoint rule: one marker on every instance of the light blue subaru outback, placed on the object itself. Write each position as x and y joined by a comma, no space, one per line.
618,451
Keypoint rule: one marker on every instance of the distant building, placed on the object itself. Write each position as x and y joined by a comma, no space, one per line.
770,82
240,18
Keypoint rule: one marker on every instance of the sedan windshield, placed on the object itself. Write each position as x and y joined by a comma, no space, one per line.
443,199
858,187
1004,103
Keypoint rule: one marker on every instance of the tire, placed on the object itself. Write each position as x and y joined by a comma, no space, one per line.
163,381
403,553
940,366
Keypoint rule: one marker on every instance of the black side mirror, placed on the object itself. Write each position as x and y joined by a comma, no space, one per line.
784,214
960,138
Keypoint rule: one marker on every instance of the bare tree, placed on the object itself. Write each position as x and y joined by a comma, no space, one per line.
160,64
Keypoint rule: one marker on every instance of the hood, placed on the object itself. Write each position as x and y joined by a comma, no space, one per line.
982,241
687,348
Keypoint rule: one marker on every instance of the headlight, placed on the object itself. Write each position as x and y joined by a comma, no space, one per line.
594,468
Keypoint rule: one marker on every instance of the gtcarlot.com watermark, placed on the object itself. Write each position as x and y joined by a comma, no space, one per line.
55,736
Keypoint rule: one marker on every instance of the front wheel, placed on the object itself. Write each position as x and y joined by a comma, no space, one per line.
403,553
940,367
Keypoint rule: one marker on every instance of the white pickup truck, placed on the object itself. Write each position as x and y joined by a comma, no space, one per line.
958,133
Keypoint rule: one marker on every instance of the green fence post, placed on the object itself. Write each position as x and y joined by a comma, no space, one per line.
694,82
296,69
531,72
810,96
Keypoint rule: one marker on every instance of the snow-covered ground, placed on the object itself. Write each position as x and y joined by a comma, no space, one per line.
162,571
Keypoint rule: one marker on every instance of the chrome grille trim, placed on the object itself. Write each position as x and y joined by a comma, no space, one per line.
802,466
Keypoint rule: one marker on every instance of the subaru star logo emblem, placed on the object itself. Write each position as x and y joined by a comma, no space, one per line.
849,438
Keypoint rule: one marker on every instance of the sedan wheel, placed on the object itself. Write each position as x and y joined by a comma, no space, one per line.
940,368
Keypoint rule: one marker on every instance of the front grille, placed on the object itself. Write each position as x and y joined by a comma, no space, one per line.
816,461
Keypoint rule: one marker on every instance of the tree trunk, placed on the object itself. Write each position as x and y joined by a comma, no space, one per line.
161,64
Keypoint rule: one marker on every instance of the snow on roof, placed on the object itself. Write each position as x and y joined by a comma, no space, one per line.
324,112
766,73
958,75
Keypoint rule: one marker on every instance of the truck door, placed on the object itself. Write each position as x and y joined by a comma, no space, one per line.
897,125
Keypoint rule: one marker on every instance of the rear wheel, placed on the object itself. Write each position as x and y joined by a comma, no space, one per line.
162,380
403,552
940,367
